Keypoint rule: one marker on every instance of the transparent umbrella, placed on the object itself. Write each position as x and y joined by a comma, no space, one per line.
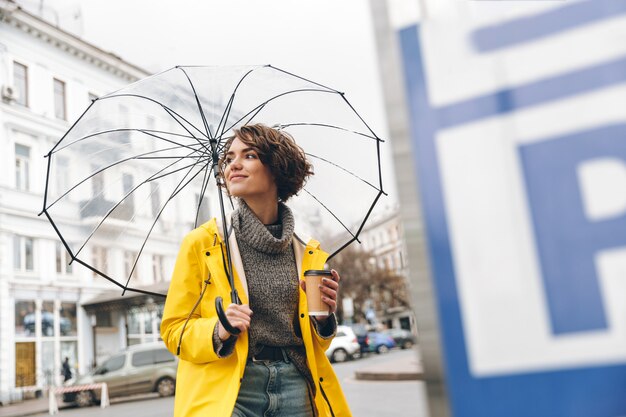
139,166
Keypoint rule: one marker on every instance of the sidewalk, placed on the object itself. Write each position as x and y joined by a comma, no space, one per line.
40,405
396,369
30,407
401,369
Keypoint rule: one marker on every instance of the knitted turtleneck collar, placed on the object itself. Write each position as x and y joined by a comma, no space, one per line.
250,229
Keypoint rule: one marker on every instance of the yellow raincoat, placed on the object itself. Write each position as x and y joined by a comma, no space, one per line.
206,385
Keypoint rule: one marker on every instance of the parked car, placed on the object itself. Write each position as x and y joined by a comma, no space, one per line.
403,338
360,330
344,346
144,368
380,342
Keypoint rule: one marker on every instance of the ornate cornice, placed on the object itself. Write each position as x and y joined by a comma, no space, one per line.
11,14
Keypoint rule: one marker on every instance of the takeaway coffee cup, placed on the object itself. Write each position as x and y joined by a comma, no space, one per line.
313,279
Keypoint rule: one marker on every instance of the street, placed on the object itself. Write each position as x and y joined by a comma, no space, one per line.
366,398
382,398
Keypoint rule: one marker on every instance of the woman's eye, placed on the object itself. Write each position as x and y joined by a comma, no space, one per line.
228,160
251,156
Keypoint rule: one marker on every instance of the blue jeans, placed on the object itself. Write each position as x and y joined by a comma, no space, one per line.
273,389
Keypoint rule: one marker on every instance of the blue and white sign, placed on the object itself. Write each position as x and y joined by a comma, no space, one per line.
519,132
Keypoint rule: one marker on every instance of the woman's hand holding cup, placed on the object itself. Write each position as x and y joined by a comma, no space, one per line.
328,290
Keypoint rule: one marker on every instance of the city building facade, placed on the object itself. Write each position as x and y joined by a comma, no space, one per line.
50,308
383,237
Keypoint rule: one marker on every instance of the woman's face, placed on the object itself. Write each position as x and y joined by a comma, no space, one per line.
245,174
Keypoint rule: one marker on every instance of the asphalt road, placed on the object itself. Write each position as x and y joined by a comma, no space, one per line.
382,398
366,398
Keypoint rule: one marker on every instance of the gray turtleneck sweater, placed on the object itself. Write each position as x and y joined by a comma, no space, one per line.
271,272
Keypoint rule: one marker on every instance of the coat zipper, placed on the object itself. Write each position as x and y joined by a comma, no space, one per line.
326,398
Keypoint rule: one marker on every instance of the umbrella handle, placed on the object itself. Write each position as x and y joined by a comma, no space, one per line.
221,314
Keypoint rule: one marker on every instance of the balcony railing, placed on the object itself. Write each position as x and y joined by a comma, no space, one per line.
99,207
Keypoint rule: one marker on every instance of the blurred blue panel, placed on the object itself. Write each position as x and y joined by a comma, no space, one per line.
567,241
531,28
596,391
532,94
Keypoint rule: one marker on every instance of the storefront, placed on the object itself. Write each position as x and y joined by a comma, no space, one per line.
46,332
118,321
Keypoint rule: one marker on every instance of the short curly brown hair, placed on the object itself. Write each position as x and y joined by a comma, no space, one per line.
277,150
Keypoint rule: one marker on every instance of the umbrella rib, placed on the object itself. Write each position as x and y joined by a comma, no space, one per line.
302,90
120,202
91,135
357,114
166,108
70,129
360,227
304,79
112,165
152,133
225,115
331,213
332,127
229,106
177,189
112,280
183,126
205,183
193,89
343,169
199,160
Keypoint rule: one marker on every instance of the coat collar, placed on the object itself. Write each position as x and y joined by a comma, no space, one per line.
306,254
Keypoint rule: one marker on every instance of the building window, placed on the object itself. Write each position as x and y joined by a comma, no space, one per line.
20,83
128,183
68,319
47,318
63,260
97,182
157,268
59,100
155,199
100,259
129,260
103,319
23,259
24,318
22,167
62,174
124,115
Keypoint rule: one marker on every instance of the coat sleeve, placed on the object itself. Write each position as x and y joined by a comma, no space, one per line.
185,288
325,334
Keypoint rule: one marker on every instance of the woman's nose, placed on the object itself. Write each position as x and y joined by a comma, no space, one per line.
235,164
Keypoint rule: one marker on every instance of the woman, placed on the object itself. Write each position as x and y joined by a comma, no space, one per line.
277,363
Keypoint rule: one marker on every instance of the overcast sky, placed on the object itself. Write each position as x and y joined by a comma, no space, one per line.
328,41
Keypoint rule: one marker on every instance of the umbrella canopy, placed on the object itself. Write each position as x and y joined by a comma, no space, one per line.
137,169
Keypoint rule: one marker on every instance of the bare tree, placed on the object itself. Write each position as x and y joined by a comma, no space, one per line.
362,280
